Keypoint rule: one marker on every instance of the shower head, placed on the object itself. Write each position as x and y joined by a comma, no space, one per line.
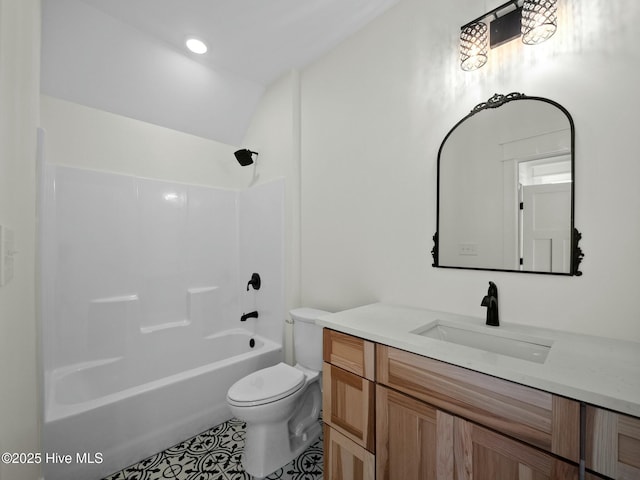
245,157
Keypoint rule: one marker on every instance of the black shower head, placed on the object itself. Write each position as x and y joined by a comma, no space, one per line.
245,157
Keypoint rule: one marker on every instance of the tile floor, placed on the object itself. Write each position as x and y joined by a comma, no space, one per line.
215,455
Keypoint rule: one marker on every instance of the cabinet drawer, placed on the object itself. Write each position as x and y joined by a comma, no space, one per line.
538,418
344,459
348,404
612,443
350,353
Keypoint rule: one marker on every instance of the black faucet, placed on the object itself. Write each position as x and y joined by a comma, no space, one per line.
254,282
490,301
245,316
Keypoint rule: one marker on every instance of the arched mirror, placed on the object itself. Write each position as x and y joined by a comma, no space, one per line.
506,188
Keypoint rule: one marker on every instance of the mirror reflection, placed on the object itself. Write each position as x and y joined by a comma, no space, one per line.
505,189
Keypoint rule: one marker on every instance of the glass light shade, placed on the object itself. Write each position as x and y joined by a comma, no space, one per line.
473,46
539,20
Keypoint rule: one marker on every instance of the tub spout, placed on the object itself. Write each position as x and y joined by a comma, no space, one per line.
245,316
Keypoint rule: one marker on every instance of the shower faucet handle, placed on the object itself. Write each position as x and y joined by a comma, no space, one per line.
254,282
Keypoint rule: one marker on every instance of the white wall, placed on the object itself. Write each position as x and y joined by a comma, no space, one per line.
374,112
91,58
19,90
84,137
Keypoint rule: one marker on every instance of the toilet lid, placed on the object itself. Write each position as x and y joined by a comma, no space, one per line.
266,385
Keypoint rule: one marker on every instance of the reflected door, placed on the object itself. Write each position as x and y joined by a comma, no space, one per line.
546,215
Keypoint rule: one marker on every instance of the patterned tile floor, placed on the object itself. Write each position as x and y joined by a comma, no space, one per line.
215,455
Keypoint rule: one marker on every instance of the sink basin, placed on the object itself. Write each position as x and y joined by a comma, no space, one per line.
490,339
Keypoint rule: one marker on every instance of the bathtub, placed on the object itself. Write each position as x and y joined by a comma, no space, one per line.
110,413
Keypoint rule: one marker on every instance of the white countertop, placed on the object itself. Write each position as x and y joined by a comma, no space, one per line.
599,371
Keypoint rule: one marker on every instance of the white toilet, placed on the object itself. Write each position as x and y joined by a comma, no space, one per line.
281,404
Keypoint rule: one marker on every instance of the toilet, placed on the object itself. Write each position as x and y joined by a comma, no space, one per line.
281,405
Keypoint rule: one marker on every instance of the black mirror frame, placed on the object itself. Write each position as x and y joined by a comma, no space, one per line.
496,101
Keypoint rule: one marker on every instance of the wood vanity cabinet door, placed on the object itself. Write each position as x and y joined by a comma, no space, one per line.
350,353
612,444
348,404
547,421
344,459
414,441
481,454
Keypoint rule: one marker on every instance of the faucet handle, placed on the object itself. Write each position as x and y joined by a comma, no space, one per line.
254,282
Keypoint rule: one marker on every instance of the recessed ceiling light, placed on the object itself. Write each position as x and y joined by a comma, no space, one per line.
196,46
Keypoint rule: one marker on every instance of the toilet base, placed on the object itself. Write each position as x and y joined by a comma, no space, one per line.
271,445
273,451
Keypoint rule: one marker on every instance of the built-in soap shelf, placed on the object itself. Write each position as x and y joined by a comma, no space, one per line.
117,299
165,326
112,319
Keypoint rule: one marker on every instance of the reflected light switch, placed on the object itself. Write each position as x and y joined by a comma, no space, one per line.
6,254
468,249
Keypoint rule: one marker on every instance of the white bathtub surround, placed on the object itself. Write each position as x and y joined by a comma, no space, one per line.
143,286
261,247
600,371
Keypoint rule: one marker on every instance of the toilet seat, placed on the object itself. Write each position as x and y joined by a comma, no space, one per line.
266,386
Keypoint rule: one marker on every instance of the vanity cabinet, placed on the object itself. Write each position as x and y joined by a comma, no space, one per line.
348,407
391,414
612,443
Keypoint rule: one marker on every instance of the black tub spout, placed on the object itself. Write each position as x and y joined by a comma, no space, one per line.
245,316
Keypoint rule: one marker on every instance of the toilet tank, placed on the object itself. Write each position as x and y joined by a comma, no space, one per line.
307,337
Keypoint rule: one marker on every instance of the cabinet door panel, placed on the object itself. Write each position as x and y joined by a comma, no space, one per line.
481,454
348,403
344,459
613,443
414,441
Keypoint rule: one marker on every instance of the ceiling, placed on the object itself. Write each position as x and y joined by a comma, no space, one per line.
128,57
257,40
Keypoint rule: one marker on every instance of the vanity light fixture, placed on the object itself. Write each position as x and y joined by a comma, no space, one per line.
535,20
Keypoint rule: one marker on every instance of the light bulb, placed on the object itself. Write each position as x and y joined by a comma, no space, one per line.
196,46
